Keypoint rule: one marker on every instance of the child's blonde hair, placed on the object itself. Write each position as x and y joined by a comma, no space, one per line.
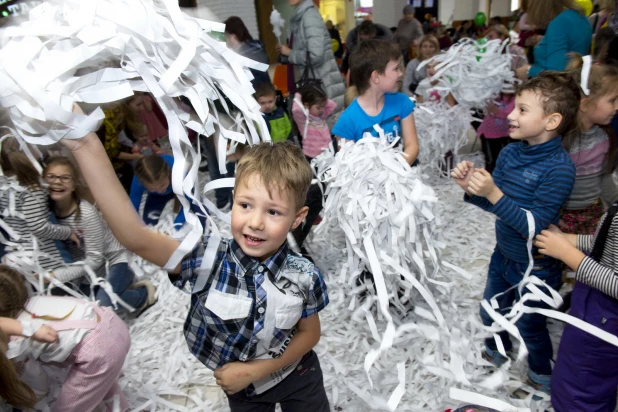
350,94
280,166
151,169
138,130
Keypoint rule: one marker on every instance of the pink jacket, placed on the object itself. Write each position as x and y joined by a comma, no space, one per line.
497,125
317,136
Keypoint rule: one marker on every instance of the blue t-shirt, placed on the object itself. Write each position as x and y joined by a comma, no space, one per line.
354,122
137,190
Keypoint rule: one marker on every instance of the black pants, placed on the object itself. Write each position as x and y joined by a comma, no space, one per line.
314,203
491,150
301,391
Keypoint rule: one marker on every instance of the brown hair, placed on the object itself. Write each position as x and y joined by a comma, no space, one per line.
429,39
609,5
559,94
280,166
234,25
16,163
13,390
603,81
311,94
264,89
369,56
367,28
151,169
541,12
80,189
13,298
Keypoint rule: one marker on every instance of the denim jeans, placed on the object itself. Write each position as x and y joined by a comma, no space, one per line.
223,195
505,273
120,277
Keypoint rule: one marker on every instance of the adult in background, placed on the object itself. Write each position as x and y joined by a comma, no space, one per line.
308,36
409,30
334,35
364,31
568,30
237,38
598,19
367,30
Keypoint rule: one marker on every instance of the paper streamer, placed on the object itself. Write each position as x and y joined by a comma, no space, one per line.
101,51
440,128
475,77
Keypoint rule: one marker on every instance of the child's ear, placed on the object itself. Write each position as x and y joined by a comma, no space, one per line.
583,104
553,122
375,77
300,216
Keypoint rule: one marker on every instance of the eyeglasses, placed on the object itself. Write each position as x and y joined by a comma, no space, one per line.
49,178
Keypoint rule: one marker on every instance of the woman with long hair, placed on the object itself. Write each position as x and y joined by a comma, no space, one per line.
568,30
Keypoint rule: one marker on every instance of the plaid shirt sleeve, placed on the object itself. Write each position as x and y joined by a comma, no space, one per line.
189,265
317,297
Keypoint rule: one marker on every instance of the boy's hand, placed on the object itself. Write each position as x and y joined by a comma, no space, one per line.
45,334
551,243
234,376
75,144
462,174
481,183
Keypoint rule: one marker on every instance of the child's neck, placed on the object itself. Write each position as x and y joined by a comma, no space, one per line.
64,207
372,101
586,124
540,139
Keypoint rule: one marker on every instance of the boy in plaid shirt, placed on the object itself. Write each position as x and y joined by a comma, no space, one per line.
255,321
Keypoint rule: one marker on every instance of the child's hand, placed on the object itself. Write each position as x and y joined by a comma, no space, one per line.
481,183
75,144
45,334
462,174
234,377
551,243
75,239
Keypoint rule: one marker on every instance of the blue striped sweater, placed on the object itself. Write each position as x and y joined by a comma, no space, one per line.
536,178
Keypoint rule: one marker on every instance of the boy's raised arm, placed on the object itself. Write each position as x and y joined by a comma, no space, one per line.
114,203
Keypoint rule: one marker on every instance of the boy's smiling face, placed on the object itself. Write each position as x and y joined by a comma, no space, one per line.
260,223
528,120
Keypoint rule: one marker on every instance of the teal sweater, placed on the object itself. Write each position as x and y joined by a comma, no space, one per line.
567,32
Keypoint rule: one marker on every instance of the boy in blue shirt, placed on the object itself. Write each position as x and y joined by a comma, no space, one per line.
376,72
535,174
254,317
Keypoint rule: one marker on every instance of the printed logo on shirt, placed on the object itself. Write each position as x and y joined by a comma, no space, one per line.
391,127
530,176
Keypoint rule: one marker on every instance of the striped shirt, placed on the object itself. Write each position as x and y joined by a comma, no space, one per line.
98,243
536,178
26,212
600,275
230,320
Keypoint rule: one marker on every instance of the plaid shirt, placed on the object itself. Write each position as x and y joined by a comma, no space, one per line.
247,309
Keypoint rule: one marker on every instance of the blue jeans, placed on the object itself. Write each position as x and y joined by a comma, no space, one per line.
223,195
505,273
60,245
120,277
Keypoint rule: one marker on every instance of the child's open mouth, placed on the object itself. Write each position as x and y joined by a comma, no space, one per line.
253,241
